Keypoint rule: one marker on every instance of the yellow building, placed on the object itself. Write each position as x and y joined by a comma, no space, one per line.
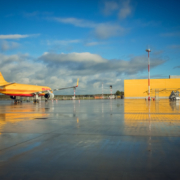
161,88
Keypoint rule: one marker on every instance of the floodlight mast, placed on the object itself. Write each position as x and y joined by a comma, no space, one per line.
149,98
102,90
74,92
111,89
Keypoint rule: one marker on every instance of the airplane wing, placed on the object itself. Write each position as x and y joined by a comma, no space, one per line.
68,87
57,89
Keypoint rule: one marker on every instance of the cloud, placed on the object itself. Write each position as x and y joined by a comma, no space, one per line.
31,14
5,45
89,64
20,68
36,14
109,7
17,36
171,34
93,69
100,30
158,52
72,57
76,22
104,31
125,10
62,70
150,23
156,76
91,44
66,42
56,45
61,45
174,46
63,42
176,67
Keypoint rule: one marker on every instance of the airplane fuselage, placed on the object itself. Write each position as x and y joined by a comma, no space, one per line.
23,90
15,89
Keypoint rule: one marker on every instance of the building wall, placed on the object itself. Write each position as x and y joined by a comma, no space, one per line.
137,88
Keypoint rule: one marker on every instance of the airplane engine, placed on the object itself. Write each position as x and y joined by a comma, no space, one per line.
49,95
13,97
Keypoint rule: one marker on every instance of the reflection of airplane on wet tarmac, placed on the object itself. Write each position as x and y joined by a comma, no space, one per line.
15,90
11,114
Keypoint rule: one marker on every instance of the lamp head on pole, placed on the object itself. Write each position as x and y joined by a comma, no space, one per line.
148,50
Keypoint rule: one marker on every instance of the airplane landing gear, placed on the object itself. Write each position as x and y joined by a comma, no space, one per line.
16,101
36,99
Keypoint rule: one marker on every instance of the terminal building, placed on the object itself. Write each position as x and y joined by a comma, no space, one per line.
159,88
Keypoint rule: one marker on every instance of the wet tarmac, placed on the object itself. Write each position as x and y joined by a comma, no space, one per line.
90,139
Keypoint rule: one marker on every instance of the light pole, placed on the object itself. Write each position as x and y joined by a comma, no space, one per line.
148,50
102,90
111,89
74,93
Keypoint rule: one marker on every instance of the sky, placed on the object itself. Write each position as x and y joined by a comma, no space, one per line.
54,42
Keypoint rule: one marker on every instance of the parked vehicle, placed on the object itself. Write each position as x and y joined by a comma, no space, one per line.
174,96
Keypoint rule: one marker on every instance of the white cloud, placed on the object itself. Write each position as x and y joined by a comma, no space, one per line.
72,57
66,42
17,36
100,30
18,68
76,22
171,34
89,64
45,53
104,31
96,84
109,7
125,10
5,45
91,44
13,36
63,42
62,70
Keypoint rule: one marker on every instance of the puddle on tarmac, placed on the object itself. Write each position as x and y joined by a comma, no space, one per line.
128,117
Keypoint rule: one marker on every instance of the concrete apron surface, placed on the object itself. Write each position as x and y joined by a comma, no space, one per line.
90,139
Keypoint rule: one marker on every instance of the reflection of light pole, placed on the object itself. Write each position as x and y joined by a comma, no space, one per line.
149,104
148,50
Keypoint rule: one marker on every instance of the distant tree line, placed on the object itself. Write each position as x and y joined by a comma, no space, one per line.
4,97
119,93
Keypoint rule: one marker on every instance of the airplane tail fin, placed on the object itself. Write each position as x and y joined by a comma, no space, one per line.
2,80
77,82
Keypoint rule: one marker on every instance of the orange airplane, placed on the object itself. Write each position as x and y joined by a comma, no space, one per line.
15,90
